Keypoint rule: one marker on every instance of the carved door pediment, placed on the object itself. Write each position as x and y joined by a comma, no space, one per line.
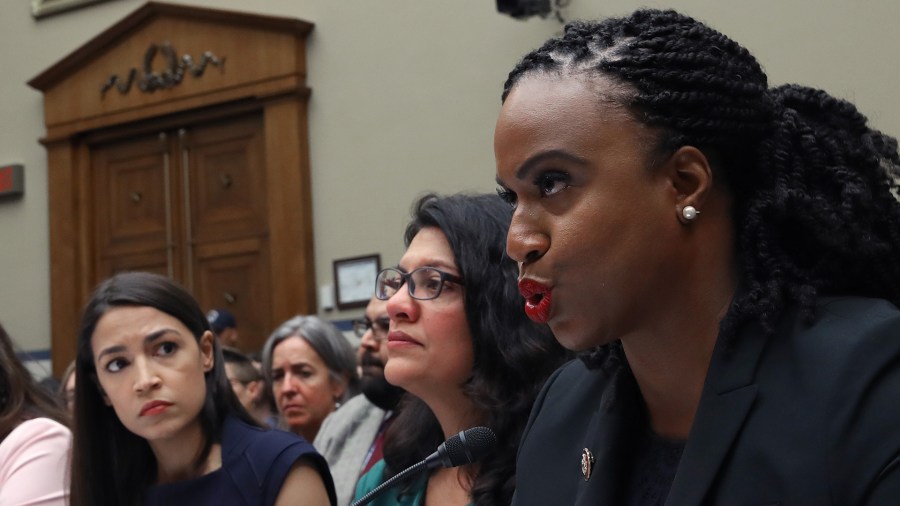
256,55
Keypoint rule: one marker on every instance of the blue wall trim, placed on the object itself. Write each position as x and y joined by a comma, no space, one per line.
344,325
29,356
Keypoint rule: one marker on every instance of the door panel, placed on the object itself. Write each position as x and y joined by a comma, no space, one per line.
130,196
153,261
235,275
227,180
190,203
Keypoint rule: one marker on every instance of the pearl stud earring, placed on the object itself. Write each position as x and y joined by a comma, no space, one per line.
690,213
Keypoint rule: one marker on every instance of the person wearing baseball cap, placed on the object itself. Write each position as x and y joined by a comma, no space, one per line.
223,325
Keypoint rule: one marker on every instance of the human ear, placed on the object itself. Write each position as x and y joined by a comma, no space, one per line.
338,387
255,388
691,175
207,348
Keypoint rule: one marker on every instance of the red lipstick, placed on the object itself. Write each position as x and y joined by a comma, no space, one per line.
538,299
154,408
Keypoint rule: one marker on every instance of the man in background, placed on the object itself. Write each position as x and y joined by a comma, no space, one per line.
351,438
224,326
249,386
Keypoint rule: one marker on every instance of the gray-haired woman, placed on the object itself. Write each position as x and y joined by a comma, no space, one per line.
311,368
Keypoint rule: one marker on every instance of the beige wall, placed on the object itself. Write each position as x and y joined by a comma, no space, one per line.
405,93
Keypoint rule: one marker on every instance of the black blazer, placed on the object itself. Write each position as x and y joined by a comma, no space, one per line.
808,416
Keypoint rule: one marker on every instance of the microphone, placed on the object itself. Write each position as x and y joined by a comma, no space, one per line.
466,447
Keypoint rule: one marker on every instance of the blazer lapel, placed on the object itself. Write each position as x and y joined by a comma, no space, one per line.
609,439
727,398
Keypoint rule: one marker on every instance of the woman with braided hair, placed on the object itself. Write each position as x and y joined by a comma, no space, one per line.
725,255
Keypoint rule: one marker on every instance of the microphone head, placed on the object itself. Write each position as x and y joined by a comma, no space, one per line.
468,446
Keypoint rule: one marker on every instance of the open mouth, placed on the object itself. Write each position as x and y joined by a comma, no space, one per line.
538,301
535,299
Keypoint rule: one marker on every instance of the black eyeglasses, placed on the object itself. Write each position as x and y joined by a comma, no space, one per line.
424,283
379,326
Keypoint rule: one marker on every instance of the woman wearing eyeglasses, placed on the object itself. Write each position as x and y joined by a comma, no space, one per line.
352,438
461,346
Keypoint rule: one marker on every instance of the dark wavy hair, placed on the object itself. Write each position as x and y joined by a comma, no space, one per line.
814,187
21,397
512,355
111,465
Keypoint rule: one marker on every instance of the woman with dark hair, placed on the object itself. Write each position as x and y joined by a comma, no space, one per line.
725,254
34,439
461,346
155,416
311,368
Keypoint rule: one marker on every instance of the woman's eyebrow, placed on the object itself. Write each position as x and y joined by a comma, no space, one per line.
528,165
148,339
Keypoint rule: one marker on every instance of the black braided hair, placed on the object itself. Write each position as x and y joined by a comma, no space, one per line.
814,187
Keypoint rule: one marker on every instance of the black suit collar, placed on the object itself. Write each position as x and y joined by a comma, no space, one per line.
609,437
728,395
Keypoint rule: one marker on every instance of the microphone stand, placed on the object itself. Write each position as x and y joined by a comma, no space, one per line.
464,448
409,471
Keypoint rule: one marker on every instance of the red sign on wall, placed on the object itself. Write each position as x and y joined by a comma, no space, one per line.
5,179
11,180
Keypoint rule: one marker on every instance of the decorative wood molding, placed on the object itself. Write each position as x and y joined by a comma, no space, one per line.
150,81
155,10
192,30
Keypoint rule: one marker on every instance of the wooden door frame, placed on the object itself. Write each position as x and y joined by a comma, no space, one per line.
282,98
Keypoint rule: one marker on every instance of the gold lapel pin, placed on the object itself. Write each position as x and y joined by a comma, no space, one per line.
587,463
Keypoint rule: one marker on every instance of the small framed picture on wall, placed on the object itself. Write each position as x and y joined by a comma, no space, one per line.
354,280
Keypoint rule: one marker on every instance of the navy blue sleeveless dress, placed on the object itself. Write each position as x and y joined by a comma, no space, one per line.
255,463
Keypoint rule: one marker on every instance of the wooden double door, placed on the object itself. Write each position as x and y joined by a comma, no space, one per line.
205,178
190,202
